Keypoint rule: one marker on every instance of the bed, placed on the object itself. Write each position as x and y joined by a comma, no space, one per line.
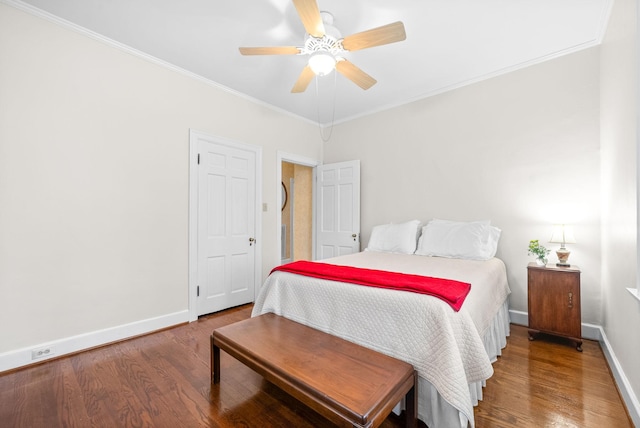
451,350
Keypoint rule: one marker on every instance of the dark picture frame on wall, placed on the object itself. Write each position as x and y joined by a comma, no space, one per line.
284,197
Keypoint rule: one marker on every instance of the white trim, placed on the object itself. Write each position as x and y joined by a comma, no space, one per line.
519,317
32,10
193,226
603,23
194,135
463,83
604,19
299,160
628,396
258,243
22,357
589,331
634,292
292,192
605,14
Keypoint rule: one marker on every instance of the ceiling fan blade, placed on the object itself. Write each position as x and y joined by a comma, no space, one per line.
310,16
354,74
303,81
276,50
386,34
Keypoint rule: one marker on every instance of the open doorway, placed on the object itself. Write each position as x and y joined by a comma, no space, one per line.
296,227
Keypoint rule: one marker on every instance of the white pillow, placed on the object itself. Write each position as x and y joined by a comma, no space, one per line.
476,240
492,243
395,238
438,220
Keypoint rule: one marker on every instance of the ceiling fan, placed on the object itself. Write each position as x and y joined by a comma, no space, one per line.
325,46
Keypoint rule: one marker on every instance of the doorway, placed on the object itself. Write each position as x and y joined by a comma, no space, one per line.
334,219
295,212
296,227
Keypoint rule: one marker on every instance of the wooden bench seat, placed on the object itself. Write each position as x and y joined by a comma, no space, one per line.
348,384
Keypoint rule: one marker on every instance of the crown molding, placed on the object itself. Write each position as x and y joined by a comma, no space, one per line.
32,10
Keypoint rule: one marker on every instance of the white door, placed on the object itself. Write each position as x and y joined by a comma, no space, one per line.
337,209
226,224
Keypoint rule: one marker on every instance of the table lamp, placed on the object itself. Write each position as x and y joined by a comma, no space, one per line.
562,234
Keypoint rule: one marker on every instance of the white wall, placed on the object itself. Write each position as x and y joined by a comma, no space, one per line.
94,174
94,147
521,149
619,95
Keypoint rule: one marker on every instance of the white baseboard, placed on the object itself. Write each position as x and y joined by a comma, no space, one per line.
22,357
629,397
589,331
596,332
518,317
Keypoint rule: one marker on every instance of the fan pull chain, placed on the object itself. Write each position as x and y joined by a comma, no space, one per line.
333,111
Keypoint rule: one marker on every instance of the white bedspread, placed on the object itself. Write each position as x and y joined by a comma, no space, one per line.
444,346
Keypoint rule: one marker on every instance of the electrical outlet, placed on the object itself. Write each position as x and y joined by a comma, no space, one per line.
42,352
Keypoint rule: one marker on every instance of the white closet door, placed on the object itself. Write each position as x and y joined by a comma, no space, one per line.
226,225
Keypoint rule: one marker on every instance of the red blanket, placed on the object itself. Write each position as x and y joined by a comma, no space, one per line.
452,292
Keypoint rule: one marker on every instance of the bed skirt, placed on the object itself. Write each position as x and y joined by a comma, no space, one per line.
440,413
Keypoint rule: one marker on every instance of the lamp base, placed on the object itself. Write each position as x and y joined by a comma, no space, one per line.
563,257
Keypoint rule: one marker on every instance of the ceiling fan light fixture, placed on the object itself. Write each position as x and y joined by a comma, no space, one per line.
322,63
325,46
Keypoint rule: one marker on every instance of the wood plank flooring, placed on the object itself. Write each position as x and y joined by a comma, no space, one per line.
162,380
547,383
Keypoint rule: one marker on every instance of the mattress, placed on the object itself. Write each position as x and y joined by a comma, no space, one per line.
449,349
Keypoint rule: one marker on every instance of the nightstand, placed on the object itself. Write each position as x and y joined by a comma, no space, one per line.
554,302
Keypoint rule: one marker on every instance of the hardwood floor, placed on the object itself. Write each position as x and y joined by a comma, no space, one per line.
548,383
162,380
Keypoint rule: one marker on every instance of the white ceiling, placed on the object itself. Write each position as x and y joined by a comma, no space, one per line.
449,43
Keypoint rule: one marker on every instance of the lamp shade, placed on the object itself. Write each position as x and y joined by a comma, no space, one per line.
322,63
562,234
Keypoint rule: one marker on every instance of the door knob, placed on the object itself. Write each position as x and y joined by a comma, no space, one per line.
251,241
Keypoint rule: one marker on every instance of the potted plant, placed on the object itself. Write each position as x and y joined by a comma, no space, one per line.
541,253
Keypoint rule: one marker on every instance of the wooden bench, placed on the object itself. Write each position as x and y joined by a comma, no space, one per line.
350,385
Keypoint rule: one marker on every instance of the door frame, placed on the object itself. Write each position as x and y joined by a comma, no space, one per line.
194,135
299,160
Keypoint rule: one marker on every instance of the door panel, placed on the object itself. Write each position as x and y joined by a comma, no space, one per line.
338,208
226,225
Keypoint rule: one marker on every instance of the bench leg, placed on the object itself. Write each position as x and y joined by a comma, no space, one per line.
215,363
411,406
